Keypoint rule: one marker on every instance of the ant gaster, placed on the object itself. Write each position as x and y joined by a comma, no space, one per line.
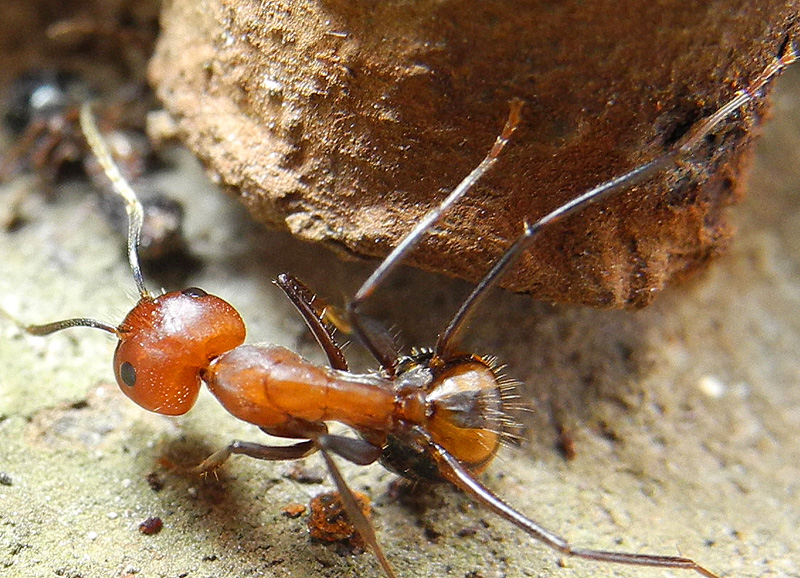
437,414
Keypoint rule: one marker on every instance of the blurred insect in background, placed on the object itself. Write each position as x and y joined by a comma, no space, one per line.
41,110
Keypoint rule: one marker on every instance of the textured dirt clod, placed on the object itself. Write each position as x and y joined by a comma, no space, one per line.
345,121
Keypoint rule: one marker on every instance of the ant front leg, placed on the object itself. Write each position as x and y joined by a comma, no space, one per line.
303,300
293,429
355,450
317,318
257,451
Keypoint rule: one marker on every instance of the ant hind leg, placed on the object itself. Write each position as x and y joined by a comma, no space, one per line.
454,472
686,145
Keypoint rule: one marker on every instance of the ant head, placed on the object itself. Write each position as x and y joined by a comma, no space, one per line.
167,342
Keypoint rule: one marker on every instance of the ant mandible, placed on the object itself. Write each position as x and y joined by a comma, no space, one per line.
436,414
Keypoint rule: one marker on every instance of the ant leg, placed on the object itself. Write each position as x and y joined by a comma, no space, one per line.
303,300
461,478
378,339
449,338
354,513
354,450
12,162
387,359
319,318
257,451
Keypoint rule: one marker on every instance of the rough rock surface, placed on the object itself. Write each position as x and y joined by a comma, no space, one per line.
345,121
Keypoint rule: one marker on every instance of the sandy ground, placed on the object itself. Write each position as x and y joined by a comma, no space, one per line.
685,416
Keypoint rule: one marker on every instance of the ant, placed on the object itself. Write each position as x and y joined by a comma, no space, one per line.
41,110
436,414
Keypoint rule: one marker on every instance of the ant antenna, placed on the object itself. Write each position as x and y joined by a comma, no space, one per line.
133,206
450,337
135,218
412,239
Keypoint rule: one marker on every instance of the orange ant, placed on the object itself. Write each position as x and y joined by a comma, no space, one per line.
436,414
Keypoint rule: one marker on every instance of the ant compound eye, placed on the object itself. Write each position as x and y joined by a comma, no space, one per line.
194,292
127,374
